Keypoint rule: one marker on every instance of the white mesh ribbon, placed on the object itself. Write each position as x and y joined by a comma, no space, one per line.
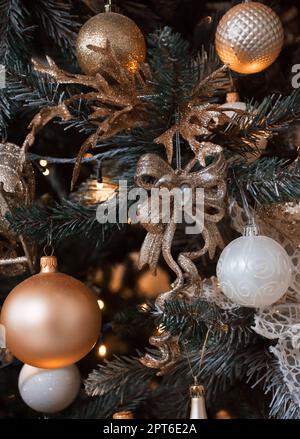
212,293
281,322
289,362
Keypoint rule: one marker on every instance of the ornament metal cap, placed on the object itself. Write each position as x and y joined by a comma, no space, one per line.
48,264
197,391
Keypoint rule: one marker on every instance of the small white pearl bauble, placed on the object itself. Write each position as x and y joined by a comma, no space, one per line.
254,271
49,390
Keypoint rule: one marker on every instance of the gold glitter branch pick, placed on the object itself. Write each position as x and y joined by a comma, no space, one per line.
116,103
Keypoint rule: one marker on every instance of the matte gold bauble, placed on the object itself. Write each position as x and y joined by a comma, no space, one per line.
51,320
249,37
125,38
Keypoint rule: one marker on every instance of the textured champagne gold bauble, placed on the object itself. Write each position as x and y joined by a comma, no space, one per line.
125,38
249,37
51,319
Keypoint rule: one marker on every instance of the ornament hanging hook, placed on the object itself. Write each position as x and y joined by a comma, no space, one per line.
203,349
48,247
108,6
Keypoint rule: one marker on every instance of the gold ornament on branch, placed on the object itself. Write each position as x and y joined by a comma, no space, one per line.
125,38
17,188
51,320
249,37
116,102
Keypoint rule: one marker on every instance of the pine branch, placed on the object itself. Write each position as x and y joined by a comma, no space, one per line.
26,91
15,34
104,407
54,18
272,115
224,367
65,220
191,318
269,180
120,384
125,371
264,368
177,74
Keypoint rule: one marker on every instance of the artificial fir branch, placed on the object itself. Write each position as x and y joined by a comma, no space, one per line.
55,19
264,370
272,115
125,370
65,220
122,384
269,180
104,407
15,32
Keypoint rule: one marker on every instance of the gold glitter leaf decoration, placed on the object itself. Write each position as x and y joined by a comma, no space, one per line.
115,100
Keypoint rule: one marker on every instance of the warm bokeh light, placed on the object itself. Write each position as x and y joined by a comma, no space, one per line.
132,66
144,307
46,172
100,303
102,350
43,163
160,329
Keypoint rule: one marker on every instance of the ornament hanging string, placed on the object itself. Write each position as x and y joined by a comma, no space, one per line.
251,223
177,140
108,6
203,349
48,247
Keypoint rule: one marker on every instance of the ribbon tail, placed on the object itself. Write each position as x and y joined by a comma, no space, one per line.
216,240
150,251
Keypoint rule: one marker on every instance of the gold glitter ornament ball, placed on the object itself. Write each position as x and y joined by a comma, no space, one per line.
249,37
125,38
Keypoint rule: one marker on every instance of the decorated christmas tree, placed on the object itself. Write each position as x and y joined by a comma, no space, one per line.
149,165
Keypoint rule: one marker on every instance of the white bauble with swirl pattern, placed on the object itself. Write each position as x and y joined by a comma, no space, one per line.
254,271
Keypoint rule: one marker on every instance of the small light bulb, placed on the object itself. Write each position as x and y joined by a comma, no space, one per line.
46,172
160,329
102,350
43,163
144,307
100,303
